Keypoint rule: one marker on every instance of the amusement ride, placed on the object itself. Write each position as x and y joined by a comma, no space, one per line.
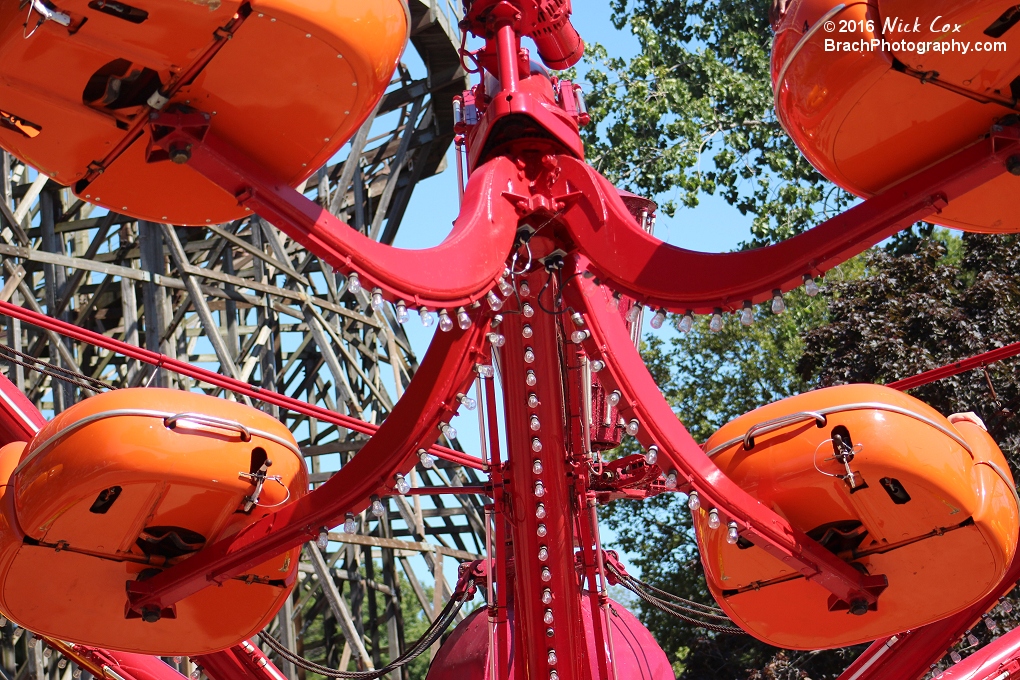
144,522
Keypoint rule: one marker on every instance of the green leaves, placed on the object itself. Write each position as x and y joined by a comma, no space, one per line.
692,114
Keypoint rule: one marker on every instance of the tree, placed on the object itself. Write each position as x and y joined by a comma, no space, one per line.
692,114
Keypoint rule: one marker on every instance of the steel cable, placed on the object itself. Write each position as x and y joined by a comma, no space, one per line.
431,635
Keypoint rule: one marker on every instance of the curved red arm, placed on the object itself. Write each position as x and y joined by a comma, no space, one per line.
414,422
661,275
457,272
626,371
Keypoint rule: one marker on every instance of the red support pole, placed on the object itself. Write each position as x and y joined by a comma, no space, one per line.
240,661
957,367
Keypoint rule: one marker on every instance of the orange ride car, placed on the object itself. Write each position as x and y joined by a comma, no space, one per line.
880,479
875,92
125,484
286,82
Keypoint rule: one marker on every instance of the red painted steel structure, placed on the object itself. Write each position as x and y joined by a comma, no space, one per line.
532,202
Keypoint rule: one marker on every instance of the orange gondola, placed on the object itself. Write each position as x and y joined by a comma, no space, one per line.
285,82
883,481
873,93
130,482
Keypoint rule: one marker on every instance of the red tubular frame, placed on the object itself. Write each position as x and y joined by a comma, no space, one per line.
626,372
11,402
661,275
957,367
243,660
457,272
412,424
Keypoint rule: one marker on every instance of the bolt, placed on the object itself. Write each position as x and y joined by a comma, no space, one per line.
150,614
180,154
859,607
1013,164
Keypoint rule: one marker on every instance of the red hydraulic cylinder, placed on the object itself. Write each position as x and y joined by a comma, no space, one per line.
240,661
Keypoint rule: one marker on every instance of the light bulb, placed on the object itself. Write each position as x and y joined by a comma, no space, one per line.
686,323
543,553
496,339
694,501
196,674
427,460
526,331
402,485
536,466
551,657
577,319
484,370
353,284
670,480
652,455
402,315
778,305
529,356
76,673
747,314
47,653
955,656
528,311
990,624
540,511
531,379
972,640
426,318
713,519
546,575
547,618
496,320
632,427
597,365
553,675
377,299
536,444
577,337
547,597
613,398
463,320
178,659
524,289
732,535
716,324
494,302
322,540
533,400
448,431
466,401
505,288
539,489
445,322
378,510
534,424
633,313
1006,606
613,304
350,524
810,285
542,531
658,319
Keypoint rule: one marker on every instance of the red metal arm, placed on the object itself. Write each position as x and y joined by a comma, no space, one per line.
412,424
660,275
909,655
976,361
240,661
184,368
19,418
626,372
104,663
457,272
